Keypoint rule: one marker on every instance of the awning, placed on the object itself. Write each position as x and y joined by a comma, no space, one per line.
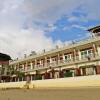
32,72
13,75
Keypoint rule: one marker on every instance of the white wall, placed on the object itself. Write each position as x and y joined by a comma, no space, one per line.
93,80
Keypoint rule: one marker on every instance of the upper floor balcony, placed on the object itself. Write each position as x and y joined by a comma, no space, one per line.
61,63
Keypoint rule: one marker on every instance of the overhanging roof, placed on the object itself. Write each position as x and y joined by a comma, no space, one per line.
94,29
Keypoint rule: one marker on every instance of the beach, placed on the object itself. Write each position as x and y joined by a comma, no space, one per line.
86,93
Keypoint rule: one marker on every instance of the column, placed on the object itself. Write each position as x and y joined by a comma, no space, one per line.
50,60
35,63
63,58
23,67
94,50
58,58
43,77
74,55
26,66
56,75
45,65
79,53
31,77
81,71
40,63
73,73
98,49
18,66
50,65
15,79
94,71
22,79
28,78
31,65
18,79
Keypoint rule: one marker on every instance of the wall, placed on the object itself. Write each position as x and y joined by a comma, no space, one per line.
93,80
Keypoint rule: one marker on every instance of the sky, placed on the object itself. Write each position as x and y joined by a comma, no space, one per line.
35,25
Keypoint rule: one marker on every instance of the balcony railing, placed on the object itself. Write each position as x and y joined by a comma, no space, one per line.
62,62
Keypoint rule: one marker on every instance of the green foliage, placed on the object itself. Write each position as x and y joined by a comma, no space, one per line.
38,77
68,74
20,74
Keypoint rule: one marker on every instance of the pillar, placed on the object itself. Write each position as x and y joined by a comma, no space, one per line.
31,65
74,55
22,79
50,60
18,79
56,75
23,67
45,65
28,78
94,71
81,71
63,57
15,79
58,58
40,63
98,49
31,77
94,50
26,66
79,53
18,66
73,73
43,77
35,63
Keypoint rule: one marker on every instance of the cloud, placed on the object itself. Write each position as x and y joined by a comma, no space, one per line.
91,8
20,42
79,27
50,10
73,19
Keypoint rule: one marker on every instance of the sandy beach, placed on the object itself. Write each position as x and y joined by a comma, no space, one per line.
51,94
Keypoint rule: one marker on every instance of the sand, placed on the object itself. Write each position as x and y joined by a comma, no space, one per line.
51,94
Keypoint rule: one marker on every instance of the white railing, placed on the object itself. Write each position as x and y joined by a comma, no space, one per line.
62,62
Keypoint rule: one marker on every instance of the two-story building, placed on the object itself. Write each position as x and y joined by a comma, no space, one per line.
81,58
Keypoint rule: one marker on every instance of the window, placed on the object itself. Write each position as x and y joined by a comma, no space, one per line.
90,52
68,57
86,53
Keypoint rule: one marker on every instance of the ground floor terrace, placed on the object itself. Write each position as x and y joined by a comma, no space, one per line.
54,73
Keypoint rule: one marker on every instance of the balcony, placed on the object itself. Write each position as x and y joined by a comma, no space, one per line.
62,63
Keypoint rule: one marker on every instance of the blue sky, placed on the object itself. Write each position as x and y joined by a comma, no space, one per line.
72,30
34,25
74,26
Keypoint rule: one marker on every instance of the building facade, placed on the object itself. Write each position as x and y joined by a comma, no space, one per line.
4,68
77,59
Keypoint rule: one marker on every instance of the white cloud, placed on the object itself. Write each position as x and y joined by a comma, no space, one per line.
73,19
80,18
91,8
79,27
19,42
49,10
